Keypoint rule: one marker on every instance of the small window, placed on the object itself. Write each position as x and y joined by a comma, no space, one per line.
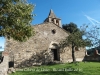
53,31
57,22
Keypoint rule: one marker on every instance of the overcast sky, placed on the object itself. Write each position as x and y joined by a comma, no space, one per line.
67,10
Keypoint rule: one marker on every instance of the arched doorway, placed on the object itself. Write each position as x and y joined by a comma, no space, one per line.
55,54
55,51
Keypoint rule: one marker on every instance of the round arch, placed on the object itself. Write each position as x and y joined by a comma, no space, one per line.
54,48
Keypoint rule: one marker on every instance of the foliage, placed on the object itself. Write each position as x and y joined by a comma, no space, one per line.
87,68
92,32
75,38
71,27
15,19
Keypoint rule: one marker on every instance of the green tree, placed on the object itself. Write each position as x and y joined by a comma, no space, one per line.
75,38
15,19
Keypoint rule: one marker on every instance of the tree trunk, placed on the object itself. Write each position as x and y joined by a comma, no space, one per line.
73,53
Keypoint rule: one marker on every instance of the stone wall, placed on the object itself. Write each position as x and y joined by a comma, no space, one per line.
38,49
4,64
92,58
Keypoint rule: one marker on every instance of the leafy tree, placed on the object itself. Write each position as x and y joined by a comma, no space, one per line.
93,33
75,38
15,19
71,27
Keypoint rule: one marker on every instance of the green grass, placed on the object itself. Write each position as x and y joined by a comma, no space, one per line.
88,68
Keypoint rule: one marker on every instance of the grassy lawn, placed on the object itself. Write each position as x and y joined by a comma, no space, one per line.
88,68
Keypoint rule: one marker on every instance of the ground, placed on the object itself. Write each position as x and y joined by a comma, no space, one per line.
82,68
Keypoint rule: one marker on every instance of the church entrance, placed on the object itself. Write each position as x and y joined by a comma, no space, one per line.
55,54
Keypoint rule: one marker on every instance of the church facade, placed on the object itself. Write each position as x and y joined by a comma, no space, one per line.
43,47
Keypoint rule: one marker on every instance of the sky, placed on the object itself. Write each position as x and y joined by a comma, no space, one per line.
68,10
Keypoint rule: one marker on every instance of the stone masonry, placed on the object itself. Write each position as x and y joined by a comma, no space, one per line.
4,64
43,47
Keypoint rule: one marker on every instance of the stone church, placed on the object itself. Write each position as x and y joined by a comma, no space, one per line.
43,47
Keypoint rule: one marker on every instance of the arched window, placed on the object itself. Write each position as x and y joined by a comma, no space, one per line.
57,22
